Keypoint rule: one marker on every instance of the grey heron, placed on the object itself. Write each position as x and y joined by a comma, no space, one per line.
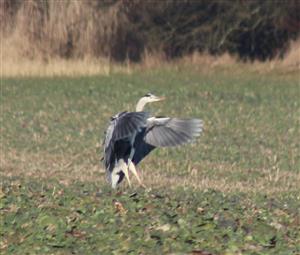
131,136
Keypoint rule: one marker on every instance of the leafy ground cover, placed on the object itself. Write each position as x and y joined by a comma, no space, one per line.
234,191
39,218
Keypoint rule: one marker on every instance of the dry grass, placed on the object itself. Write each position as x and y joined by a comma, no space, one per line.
290,62
12,65
68,169
43,165
272,182
58,67
50,29
39,47
292,58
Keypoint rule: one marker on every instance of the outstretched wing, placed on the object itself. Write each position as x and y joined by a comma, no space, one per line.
165,132
122,126
168,132
128,123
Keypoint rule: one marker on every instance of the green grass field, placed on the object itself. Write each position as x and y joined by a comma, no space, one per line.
234,191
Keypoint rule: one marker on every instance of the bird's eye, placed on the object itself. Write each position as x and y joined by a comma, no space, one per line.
148,95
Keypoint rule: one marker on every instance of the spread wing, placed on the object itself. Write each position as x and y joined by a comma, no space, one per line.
165,132
128,123
122,126
168,132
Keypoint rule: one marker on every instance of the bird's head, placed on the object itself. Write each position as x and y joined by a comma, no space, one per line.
148,98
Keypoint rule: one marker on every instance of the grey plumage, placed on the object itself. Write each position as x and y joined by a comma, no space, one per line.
168,132
131,136
165,132
122,127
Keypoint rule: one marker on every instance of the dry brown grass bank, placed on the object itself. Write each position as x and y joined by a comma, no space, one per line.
13,66
75,38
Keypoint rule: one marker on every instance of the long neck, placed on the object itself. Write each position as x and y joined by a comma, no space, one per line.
140,105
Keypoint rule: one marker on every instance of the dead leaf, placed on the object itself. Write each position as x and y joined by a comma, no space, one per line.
119,207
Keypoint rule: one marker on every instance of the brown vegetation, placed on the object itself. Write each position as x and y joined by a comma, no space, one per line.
43,37
202,62
63,29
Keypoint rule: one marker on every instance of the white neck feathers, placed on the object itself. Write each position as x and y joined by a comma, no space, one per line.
141,104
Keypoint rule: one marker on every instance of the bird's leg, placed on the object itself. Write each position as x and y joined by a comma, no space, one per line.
125,170
132,168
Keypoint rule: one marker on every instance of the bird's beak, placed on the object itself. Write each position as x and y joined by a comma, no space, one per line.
160,98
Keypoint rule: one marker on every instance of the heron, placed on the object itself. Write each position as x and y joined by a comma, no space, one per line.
131,136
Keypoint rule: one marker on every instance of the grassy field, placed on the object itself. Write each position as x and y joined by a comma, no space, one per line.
234,191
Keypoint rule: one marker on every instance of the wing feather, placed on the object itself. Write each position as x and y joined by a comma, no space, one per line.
129,123
168,132
122,126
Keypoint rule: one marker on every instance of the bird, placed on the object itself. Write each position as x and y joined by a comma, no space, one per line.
131,136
